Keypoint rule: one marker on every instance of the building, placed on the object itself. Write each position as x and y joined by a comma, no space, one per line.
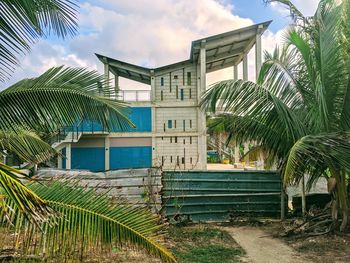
170,126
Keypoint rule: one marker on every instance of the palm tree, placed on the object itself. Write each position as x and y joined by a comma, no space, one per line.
60,217
298,110
23,22
53,212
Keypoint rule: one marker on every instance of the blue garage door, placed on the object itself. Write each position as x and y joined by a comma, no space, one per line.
130,157
92,159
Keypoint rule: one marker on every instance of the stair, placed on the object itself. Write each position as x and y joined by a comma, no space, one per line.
71,137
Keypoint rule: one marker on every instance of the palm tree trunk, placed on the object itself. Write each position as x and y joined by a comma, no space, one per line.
303,197
342,200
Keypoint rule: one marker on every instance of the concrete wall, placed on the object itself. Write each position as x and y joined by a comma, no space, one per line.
176,116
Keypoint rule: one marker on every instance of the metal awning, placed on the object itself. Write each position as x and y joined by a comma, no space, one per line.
127,70
228,49
222,51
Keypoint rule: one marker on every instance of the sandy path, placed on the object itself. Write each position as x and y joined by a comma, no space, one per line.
262,248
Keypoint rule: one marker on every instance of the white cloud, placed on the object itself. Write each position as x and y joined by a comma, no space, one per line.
145,32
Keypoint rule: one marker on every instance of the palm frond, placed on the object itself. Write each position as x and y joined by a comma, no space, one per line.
27,202
314,154
245,98
61,97
91,220
26,144
22,22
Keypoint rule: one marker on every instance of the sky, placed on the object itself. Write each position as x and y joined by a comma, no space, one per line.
153,33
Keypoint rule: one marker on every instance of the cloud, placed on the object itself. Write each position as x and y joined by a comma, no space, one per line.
146,32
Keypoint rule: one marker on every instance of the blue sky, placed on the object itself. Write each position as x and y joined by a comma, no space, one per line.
152,32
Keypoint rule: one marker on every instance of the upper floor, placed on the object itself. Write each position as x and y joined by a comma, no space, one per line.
182,83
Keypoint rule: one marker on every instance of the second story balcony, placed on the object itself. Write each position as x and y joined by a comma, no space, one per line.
135,95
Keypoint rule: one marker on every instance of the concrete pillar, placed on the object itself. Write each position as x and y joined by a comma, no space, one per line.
59,160
153,87
107,153
245,67
68,156
202,138
236,152
258,55
154,122
116,85
235,72
106,71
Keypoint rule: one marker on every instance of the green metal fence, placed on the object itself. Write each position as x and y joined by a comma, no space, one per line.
221,195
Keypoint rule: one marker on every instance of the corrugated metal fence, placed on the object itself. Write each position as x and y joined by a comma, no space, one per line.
220,195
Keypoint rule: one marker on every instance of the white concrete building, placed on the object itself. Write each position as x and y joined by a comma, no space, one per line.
176,137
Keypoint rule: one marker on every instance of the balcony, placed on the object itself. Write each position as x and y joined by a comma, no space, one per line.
135,95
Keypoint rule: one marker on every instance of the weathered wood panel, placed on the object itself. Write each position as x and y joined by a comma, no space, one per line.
136,186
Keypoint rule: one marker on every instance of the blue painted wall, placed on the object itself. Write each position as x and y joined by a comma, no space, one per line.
140,116
91,158
130,157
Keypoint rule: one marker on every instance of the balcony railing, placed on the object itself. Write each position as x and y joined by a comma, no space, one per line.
135,95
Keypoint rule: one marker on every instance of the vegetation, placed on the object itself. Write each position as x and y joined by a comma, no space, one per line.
204,244
298,110
24,21
57,218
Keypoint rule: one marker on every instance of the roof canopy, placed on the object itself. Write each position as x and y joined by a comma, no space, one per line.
222,51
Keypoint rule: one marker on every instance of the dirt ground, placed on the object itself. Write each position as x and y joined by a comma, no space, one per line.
239,242
330,248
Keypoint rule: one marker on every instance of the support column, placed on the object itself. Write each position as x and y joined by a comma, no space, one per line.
68,156
154,123
202,138
258,57
236,152
245,67
59,160
116,85
107,154
235,72
106,80
106,71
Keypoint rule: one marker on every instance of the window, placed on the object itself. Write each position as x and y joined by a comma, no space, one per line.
191,160
191,124
190,94
162,81
170,124
170,82
162,160
164,127
161,95
183,76
177,91
183,160
188,78
184,124
175,77
177,160
171,159
190,139
175,124
175,139
162,138
171,139
182,94
184,141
